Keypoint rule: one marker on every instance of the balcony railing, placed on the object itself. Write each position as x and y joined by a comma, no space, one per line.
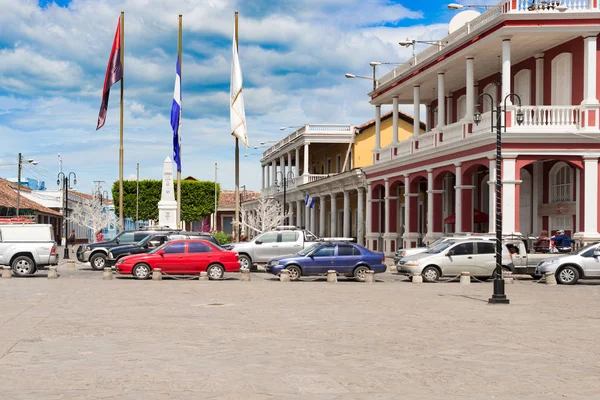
294,183
504,7
329,129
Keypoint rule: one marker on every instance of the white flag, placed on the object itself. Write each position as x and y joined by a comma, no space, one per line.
237,112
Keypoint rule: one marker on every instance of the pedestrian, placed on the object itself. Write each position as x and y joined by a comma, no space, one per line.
99,236
71,240
562,239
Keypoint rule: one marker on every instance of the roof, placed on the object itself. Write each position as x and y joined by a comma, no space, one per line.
90,197
8,198
401,115
227,197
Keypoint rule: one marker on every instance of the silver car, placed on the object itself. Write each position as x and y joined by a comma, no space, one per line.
585,264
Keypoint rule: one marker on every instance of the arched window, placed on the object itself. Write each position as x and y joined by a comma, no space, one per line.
561,183
492,90
562,79
523,86
461,107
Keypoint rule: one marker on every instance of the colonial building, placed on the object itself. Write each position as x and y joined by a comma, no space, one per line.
443,180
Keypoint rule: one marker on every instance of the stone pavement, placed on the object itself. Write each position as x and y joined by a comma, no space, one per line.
82,337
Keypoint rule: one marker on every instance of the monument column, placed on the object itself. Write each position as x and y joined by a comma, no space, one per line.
167,206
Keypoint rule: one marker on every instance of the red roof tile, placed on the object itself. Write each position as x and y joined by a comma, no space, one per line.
8,198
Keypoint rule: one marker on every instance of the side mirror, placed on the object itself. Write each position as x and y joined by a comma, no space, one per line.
160,253
258,241
117,240
146,245
596,253
450,253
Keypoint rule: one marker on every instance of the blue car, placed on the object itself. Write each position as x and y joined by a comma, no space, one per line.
345,258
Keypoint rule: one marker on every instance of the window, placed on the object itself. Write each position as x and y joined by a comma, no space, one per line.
158,240
139,236
523,86
561,84
227,226
269,237
288,237
492,90
175,248
127,237
329,165
463,249
327,251
486,248
347,250
561,176
338,163
198,247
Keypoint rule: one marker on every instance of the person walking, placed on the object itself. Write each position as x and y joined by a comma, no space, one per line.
71,240
99,236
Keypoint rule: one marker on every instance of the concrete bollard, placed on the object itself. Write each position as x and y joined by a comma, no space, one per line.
6,273
53,272
369,276
331,276
465,278
417,278
550,278
203,276
107,276
71,264
284,276
245,275
157,274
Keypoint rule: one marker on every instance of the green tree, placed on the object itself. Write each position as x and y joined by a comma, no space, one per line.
198,199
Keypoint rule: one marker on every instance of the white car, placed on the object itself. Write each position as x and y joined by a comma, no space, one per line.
27,247
568,269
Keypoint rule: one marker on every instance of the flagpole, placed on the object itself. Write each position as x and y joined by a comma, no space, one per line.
122,39
179,127
237,161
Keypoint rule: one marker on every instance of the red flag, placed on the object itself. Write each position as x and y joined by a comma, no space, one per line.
114,73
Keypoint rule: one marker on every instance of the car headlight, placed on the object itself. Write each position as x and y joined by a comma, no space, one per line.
411,264
110,255
403,253
121,261
548,262
87,248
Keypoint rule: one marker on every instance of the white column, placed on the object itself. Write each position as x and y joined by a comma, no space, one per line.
299,204
470,83
306,217
273,172
347,214
538,179
268,177
262,176
333,216
407,211
306,152
449,108
458,199
492,196
428,118
322,220
506,76
289,162
386,207
360,220
508,195
590,196
539,80
429,202
313,217
416,110
589,71
297,162
377,127
282,168
395,120
577,201
368,213
441,95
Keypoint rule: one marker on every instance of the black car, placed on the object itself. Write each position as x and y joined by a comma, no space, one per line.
151,242
96,253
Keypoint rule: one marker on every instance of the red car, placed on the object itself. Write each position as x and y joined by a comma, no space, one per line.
182,257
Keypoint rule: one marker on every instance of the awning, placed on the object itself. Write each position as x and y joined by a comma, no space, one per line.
478,217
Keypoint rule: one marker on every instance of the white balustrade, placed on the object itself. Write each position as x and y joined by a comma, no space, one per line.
385,154
317,177
485,126
452,132
427,140
547,117
403,148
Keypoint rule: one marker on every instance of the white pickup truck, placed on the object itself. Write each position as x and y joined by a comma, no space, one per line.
27,247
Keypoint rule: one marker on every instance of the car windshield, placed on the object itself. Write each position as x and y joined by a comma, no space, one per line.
158,248
145,240
586,248
432,245
440,247
308,249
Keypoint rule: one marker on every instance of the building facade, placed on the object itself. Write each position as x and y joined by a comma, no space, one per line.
443,180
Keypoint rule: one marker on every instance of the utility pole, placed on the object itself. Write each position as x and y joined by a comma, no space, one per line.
137,194
19,184
66,186
215,212
59,163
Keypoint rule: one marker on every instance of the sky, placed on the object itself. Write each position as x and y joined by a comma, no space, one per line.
293,55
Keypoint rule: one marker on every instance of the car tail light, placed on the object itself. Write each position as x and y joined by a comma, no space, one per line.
53,249
383,260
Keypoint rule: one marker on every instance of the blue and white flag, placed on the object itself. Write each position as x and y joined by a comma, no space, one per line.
176,117
309,202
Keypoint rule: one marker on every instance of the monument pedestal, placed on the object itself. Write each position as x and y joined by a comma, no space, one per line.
167,206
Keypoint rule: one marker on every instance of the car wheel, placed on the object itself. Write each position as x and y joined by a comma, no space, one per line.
360,273
215,271
23,266
567,275
142,271
98,261
430,274
245,262
295,272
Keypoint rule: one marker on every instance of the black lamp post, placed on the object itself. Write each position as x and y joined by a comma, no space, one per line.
103,195
499,297
285,180
66,186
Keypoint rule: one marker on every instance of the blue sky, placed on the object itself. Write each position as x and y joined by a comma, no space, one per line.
293,53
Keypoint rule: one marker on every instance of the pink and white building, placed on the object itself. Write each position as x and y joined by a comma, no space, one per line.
443,180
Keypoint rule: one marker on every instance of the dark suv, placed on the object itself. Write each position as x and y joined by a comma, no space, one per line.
96,253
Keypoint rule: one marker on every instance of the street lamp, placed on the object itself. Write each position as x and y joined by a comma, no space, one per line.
103,195
283,128
408,42
455,6
374,65
498,296
285,180
66,180
20,162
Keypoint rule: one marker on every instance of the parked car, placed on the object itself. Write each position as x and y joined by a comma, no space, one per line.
278,242
151,242
97,253
182,257
27,248
345,258
585,264
452,257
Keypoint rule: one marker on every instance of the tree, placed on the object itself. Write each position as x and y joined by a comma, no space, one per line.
266,216
91,214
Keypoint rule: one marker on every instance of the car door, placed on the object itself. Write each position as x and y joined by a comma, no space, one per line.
266,246
290,243
199,256
590,263
459,259
484,261
173,259
346,259
323,258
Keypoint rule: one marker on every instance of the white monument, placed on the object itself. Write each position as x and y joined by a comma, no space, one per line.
167,206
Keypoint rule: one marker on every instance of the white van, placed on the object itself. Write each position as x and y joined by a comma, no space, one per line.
27,247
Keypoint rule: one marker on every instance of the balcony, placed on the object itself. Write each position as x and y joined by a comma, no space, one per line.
331,131
294,183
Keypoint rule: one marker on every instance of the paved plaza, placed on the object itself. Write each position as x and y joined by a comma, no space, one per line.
83,337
